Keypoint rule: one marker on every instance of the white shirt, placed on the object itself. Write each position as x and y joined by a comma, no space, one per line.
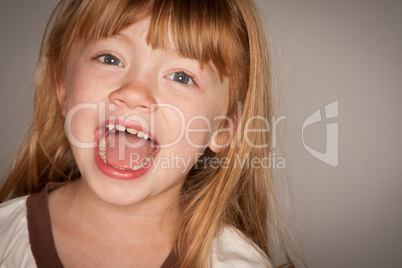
15,249
229,249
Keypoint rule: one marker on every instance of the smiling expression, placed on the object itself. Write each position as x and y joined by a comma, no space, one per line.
124,98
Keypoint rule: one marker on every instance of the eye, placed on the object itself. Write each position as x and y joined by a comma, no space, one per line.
110,60
182,78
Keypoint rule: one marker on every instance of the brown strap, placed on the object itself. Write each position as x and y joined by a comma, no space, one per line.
40,231
170,261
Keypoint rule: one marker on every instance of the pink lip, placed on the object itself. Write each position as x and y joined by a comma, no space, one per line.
114,172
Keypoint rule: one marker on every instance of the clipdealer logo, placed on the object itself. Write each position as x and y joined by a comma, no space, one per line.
330,156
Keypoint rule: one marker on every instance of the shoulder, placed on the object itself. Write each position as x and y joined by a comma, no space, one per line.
15,249
13,217
231,248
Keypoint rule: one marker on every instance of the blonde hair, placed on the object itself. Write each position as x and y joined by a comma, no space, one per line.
226,33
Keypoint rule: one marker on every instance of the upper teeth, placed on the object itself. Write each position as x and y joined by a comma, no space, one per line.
120,128
132,131
140,134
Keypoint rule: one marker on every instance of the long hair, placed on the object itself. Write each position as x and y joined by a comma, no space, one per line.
226,33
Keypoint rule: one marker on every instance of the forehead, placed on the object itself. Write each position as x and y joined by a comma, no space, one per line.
202,30
209,31
133,38
139,31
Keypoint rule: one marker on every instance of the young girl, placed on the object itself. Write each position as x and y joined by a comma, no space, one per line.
150,119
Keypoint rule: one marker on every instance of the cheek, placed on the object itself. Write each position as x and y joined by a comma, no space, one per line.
77,122
182,126
81,111
200,127
82,88
198,131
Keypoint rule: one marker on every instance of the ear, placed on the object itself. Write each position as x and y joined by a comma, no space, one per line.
222,138
61,90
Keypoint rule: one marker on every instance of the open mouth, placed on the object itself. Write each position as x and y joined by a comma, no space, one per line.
126,148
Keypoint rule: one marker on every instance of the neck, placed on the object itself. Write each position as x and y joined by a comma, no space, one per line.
155,217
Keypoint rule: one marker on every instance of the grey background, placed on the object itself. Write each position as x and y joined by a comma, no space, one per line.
325,51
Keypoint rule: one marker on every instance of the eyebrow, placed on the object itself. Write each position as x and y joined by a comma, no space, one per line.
208,67
125,38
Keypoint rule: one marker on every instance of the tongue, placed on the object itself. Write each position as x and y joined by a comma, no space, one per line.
124,150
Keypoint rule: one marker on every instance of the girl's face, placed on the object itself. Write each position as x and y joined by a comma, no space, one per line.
138,119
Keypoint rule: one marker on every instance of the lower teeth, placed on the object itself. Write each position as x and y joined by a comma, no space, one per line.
102,154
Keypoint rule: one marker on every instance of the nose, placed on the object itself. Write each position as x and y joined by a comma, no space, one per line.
133,95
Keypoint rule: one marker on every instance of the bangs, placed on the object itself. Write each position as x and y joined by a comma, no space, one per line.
105,18
208,31
203,30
